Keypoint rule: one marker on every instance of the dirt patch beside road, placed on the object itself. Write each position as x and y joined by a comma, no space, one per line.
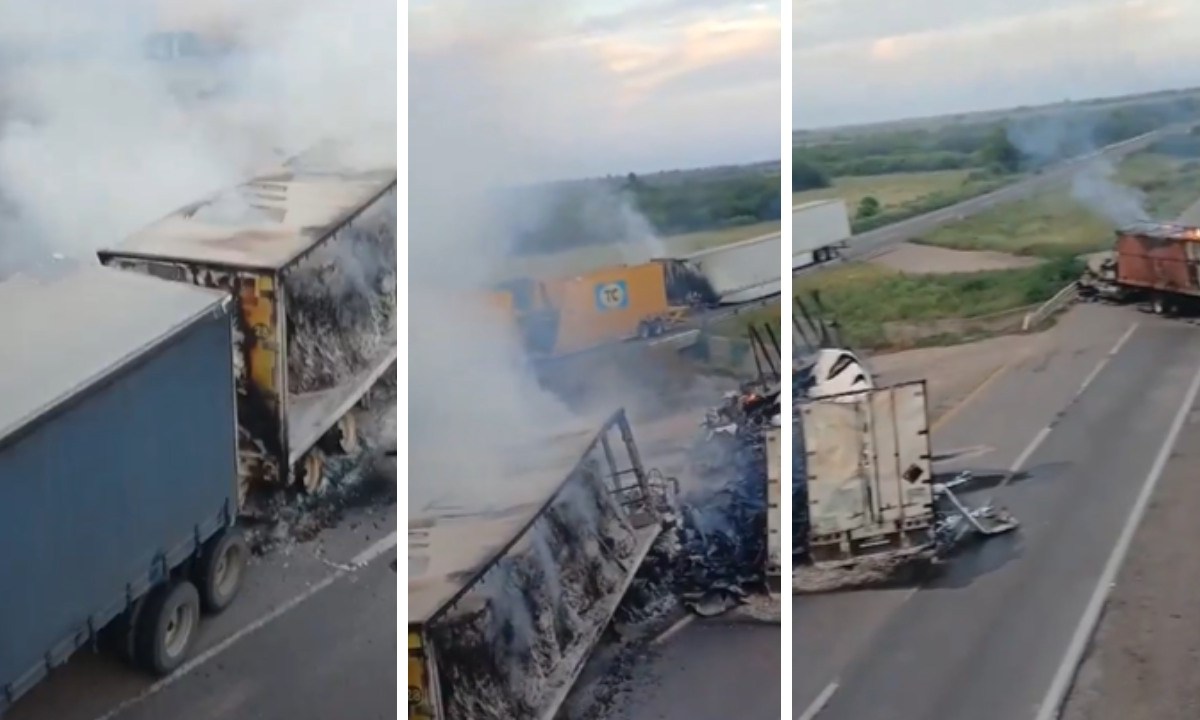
913,258
1143,659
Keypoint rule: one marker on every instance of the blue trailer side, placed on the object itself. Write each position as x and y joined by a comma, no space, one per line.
117,453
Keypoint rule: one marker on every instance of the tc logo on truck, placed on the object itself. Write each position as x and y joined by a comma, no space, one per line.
612,296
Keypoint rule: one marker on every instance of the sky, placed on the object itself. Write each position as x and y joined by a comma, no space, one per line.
862,61
607,86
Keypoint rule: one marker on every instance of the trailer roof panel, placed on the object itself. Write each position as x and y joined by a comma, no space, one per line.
1171,231
449,543
265,223
68,326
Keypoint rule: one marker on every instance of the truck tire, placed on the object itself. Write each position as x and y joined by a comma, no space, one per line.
119,637
166,626
218,575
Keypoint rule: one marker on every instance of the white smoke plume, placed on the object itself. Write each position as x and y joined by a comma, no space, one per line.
99,138
473,132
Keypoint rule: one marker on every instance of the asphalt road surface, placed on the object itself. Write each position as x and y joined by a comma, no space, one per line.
867,243
1083,421
308,637
705,670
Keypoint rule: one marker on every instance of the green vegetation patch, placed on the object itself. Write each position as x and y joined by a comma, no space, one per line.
691,242
1055,225
864,297
1051,225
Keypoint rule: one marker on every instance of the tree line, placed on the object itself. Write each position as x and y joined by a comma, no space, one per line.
1020,144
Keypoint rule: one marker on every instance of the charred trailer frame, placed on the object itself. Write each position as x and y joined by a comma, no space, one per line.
470,653
265,242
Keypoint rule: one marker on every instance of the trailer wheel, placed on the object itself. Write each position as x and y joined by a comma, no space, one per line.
166,626
1159,304
220,570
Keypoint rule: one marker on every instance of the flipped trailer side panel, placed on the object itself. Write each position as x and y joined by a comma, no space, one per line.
101,497
512,639
868,469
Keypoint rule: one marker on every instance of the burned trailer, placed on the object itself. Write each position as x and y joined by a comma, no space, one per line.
309,254
868,507
1159,262
508,598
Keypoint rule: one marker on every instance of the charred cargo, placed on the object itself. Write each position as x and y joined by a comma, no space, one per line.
309,254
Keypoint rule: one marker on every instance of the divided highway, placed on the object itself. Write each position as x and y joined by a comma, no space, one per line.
1077,428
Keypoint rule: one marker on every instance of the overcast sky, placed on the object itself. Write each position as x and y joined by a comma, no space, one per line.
858,61
606,86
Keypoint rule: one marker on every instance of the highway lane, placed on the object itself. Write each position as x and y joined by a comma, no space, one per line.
984,640
303,635
334,656
710,670
986,435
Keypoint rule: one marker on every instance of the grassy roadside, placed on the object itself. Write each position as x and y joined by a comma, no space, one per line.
865,297
1055,225
736,326
903,195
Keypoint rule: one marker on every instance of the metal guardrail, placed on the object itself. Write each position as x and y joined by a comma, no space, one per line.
1061,299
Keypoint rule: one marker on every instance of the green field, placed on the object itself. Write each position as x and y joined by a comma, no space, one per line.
736,326
691,242
864,296
903,195
1056,225
891,191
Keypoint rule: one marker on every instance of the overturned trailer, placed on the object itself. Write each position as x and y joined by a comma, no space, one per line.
508,598
867,503
309,254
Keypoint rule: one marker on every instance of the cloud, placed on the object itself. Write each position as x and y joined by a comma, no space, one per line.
944,57
612,89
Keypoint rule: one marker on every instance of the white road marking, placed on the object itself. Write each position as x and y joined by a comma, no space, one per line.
374,550
675,628
816,706
1104,360
360,560
1029,450
1065,674
1045,432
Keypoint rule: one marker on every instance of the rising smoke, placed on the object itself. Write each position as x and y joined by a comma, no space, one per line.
98,139
483,109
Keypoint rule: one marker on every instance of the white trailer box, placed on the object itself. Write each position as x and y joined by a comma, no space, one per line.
868,472
744,271
817,227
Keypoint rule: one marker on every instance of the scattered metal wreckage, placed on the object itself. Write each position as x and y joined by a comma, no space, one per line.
867,505
727,533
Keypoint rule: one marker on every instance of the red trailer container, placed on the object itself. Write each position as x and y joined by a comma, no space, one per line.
1161,259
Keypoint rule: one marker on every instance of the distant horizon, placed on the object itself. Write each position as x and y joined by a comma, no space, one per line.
999,109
